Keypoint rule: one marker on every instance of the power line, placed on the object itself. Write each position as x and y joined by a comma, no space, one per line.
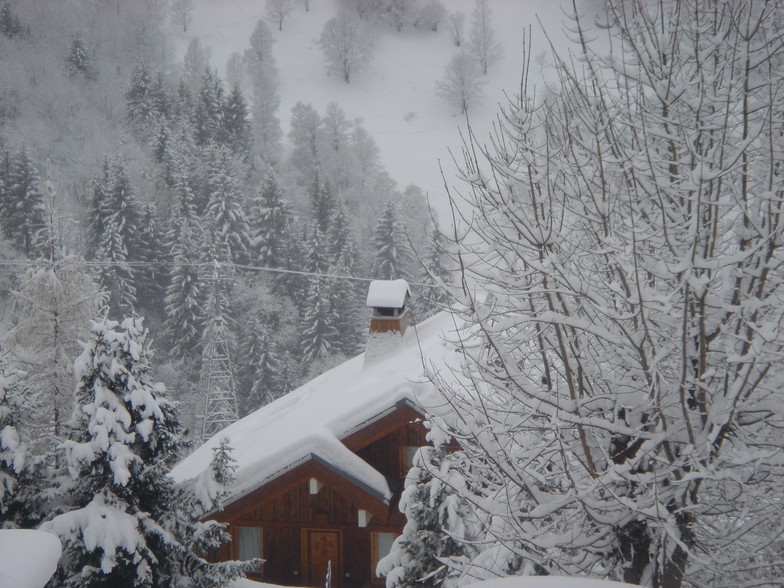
207,265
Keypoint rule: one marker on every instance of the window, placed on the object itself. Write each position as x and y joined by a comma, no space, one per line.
380,546
249,543
407,453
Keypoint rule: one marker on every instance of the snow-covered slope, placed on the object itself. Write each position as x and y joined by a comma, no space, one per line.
313,418
394,95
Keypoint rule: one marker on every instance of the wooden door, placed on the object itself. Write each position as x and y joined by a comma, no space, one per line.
321,549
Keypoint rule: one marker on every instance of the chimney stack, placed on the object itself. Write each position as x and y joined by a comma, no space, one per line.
390,319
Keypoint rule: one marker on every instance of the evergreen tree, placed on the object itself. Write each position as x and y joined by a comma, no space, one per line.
269,219
224,217
318,322
116,276
98,207
436,277
10,25
262,369
25,203
208,115
121,203
13,451
78,62
439,522
322,202
127,523
236,125
150,277
6,203
138,98
394,258
316,256
184,299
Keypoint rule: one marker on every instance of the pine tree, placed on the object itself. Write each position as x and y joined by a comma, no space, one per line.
208,115
185,298
98,207
305,138
127,523
13,458
138,99
25,202
236,125
394,258
78,61
322,202
116,276
224,217
269,218
262,368
439,522
436,277
150,277
121,203
318,330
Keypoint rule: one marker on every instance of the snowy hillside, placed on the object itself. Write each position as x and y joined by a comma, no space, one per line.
394,95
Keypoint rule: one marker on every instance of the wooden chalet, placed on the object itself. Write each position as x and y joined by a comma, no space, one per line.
320,471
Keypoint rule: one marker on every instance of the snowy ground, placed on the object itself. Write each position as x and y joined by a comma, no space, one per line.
394,95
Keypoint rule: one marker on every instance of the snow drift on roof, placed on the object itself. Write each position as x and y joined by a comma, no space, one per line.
314,418
387,293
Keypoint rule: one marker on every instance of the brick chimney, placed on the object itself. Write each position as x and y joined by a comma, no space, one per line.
388,300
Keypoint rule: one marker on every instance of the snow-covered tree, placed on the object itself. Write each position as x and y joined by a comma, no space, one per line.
236,125
318,322
53,304
483,44
208,116
622,371
462,83
347,44
431,14
304,133
261,365
263,77
195,62
13,450
125,522
279,10
116,276
393,256
78,61
269,220
224,217
440,524
185,297
24,204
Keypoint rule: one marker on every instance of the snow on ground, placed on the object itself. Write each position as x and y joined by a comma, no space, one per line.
394,95
28,558
548,582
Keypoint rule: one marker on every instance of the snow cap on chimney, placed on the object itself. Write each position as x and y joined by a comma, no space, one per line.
388,324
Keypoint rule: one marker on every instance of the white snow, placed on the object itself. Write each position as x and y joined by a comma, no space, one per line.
315,417
395,94
548,582
27,558
387,293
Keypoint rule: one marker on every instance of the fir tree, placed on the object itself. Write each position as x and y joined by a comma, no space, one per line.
394,258
98,207
318,323
150,278
236,125
439,522
78,61
184,299
13,458
262,368
115,274
436,277
138,98
322,202
127,523
224,217
208,115
25,203
269,219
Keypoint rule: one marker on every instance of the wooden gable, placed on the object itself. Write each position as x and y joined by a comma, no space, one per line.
314,513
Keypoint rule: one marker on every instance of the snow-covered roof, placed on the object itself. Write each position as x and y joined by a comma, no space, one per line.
311,420
28,558
387,293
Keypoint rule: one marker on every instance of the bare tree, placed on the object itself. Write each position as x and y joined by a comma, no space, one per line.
483,42
279,10
347,44
182,13
623,371
456,22
462,83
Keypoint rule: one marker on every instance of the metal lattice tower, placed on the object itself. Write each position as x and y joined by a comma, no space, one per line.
220,397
